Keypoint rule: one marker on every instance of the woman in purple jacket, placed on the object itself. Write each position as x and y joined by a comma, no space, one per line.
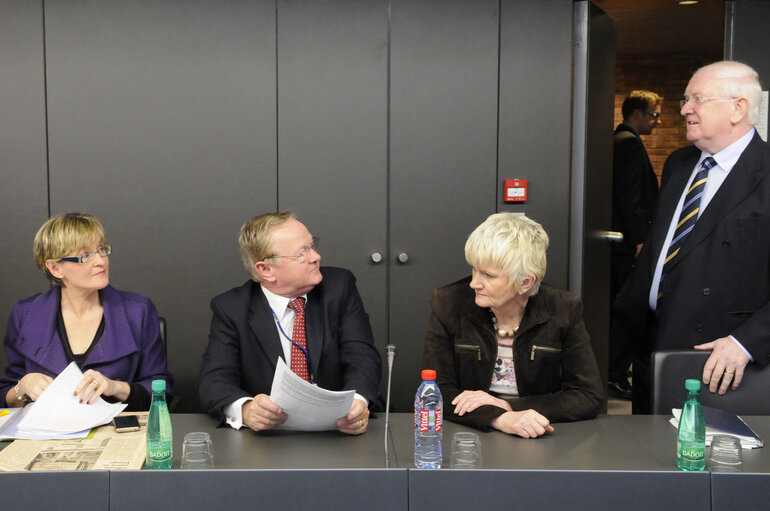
113,336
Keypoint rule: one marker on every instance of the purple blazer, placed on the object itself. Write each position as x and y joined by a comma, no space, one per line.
129,350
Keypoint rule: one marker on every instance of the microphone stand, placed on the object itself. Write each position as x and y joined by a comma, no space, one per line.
390,353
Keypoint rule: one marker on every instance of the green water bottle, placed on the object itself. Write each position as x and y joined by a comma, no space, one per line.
691,439
159,437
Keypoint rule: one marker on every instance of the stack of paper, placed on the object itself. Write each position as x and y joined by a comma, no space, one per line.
58,412
722,422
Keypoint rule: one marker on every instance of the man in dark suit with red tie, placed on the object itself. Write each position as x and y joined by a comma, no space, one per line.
292,308
702,279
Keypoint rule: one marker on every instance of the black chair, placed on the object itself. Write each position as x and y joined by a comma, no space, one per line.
162,326
173,405
669,370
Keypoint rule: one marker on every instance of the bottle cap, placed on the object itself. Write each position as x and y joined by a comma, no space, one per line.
429,374
158,385
692,385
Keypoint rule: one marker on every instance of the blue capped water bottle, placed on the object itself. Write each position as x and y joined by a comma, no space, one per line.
428,421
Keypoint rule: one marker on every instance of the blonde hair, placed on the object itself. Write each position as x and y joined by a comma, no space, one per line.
64,234
254,239
514,243
738,80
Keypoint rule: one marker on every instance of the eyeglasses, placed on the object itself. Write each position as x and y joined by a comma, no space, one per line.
654,115
698,100
103,251
301,256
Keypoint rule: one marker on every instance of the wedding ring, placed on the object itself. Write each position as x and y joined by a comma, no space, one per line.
361,423
729,372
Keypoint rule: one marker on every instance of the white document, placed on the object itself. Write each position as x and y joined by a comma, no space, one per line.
9,429
57,411
309,407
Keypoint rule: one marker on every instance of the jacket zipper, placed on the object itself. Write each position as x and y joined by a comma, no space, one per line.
471,347
543,348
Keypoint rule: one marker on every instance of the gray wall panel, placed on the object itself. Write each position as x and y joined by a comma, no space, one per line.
23,172
750,43
535,113
332,132
443,158
162,123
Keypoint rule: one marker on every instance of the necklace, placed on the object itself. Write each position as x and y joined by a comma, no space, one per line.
502,332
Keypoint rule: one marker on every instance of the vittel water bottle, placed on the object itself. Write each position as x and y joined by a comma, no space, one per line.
159,438
428,421
691,439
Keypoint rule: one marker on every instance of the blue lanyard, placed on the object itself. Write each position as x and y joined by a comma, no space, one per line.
302,349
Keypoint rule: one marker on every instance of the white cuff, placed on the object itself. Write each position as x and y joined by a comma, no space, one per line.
234,413
736,341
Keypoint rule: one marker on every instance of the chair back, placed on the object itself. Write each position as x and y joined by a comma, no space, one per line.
670,369
162,327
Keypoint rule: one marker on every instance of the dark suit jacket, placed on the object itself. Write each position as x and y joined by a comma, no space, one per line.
634,190
556,372
129,350
244,346
720,284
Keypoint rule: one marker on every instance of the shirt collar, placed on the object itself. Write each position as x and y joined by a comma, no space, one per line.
727,157
279,303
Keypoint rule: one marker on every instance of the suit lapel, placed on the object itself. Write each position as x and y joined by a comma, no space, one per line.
740,182
117,340
262,325
669,200
314,327
40,340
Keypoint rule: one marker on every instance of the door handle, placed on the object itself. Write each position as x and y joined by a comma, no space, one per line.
613,236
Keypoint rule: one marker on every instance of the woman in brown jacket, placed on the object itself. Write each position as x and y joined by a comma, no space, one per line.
511,354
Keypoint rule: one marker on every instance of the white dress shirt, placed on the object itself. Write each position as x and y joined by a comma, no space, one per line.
283,314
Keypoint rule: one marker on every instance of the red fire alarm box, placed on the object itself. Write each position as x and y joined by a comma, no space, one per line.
515,190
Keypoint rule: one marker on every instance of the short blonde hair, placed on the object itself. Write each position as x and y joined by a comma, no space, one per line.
255,242
514,243
63,234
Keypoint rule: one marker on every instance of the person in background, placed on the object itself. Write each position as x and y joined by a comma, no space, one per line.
634,199
511,353
113,336
702,279
292,308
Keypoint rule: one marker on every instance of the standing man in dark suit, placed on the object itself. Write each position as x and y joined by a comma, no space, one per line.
703,277
634,199
293,309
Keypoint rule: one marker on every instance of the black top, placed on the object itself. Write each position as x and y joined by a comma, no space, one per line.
138,397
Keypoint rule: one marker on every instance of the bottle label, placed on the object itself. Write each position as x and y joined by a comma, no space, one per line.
160,453
690,451
428,420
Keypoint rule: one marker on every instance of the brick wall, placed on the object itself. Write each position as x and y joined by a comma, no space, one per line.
666,75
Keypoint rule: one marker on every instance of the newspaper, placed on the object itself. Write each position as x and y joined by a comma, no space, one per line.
103,449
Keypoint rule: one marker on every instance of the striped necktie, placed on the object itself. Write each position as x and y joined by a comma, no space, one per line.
687,218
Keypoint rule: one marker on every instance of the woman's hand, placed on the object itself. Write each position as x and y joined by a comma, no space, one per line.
469,400
95,384
32,384
526,424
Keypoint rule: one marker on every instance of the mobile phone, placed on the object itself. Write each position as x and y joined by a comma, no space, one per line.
125,423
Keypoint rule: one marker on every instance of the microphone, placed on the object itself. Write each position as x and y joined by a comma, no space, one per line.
390,354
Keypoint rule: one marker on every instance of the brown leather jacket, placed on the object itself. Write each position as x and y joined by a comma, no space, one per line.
556,372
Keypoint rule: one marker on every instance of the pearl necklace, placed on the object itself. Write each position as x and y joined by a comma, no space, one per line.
502,332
